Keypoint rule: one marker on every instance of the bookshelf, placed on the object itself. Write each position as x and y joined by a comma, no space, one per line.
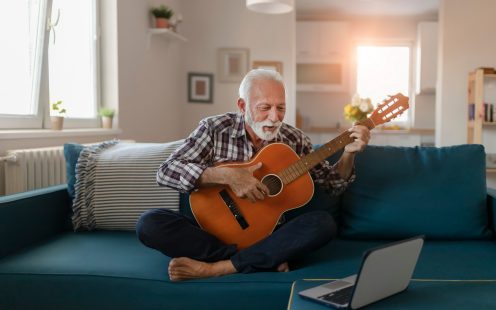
481,125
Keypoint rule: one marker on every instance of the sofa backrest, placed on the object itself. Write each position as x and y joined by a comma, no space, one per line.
404,191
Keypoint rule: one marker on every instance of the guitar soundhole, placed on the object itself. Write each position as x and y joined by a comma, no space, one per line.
274,183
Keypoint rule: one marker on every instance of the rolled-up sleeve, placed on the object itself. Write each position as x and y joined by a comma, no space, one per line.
184,167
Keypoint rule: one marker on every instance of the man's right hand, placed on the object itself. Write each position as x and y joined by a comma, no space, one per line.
240,180
244,184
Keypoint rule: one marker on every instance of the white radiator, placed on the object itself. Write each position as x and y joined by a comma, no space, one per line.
34,168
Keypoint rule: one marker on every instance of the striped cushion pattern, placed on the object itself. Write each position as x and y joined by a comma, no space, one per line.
116,183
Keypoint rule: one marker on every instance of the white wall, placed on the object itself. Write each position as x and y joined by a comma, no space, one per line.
214,24
148,79
466,41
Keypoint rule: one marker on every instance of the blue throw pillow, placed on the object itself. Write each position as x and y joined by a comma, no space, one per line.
404,191
71,154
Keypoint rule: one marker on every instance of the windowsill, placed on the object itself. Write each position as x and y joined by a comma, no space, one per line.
47,133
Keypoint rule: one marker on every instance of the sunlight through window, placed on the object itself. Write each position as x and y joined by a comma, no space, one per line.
382,71
20,62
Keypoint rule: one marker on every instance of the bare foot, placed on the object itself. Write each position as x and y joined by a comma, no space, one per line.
284,267
184,268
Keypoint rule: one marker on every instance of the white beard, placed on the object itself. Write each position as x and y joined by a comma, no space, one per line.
258,127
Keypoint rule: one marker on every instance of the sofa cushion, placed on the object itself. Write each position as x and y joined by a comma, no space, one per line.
404,191
120,273
116,183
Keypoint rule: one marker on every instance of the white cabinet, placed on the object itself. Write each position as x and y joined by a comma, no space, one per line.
426,57
322,41
395,139
334,38
307,39
322,56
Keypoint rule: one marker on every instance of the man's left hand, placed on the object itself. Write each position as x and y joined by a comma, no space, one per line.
361,135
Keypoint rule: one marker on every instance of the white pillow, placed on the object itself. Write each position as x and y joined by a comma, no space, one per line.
116,183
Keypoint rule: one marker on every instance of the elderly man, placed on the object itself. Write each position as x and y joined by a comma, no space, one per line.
237,137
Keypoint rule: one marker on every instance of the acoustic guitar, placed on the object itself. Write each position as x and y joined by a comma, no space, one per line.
238,221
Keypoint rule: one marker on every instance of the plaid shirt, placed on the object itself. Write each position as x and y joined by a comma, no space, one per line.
223,138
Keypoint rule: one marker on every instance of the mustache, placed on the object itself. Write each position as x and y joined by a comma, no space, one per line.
269,123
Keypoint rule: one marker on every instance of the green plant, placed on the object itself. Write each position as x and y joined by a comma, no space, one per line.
162,12
57,109
106,112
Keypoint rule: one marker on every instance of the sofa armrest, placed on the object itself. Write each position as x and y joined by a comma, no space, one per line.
491,207
30,217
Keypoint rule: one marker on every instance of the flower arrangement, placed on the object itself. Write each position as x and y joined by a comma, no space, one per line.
358,109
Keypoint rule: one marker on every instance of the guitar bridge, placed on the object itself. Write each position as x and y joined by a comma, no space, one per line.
233,208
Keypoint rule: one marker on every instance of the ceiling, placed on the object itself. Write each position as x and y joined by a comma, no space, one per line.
368,7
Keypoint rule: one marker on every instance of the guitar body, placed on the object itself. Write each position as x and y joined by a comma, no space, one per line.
214,215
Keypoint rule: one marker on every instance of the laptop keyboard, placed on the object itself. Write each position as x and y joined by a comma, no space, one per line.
341,297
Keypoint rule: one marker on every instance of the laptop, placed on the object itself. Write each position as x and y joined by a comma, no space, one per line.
385,271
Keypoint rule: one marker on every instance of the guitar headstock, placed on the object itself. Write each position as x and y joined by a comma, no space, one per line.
389,109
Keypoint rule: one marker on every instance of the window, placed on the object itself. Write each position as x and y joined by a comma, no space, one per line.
382,71
53,56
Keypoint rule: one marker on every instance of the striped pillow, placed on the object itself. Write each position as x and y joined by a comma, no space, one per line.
116,183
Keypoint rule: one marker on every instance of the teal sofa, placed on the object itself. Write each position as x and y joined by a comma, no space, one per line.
399,192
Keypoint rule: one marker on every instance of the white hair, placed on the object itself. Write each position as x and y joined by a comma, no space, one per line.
256,75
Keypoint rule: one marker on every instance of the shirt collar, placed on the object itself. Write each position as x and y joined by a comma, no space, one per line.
239,126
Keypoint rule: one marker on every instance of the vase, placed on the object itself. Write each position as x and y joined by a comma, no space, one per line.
107,122
161,22
57,122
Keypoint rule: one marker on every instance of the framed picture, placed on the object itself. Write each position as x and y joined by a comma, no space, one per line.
200,87
232,64
271,65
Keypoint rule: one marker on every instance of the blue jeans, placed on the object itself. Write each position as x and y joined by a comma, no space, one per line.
178,236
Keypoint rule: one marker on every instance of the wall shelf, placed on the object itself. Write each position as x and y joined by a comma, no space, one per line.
477,97
167,34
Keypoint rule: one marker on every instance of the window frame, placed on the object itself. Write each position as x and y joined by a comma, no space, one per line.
41,120
410,44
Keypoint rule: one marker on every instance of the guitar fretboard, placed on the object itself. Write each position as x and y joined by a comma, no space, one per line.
307,162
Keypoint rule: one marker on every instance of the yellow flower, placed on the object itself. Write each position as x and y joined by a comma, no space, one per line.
358,109
347,109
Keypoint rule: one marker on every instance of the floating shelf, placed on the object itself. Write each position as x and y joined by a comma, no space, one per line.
165,33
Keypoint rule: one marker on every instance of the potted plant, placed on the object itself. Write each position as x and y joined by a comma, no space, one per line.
162,15
107,115
57,114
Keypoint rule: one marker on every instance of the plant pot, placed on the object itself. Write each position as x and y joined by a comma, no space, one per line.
161,22
107,122
57,122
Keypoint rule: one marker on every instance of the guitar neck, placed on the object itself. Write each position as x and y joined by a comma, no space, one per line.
307,162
